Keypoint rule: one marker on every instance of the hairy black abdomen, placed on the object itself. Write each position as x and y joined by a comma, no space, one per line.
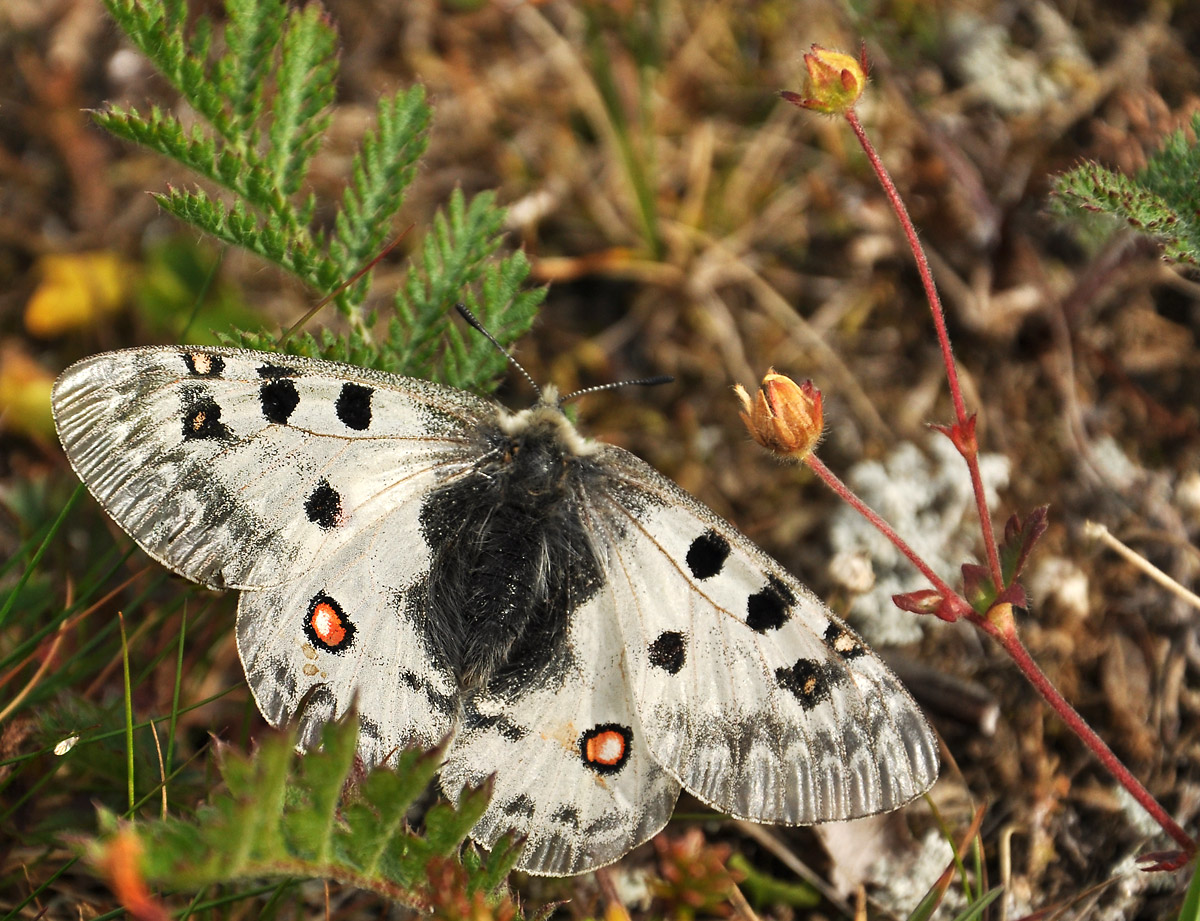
511,560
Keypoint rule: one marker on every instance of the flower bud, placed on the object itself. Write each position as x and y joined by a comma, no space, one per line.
835,82
785,417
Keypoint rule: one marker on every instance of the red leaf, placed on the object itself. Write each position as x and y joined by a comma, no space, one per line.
925,601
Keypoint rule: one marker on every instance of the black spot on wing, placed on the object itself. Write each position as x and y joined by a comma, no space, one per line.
369,728
273,372
445,704
499,722
707,554
202,364
285,678
202,416
844,642
354,406
324,506
566,815
278,398
770,608
519,805
668,652
809,681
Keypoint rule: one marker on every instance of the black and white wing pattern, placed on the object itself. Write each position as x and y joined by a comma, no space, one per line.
591,636
751,693
298,482
573,773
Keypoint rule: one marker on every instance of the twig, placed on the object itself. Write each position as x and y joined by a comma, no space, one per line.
1097,531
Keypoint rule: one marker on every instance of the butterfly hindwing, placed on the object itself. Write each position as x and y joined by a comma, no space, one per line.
572,771
349,631
234,468
752,694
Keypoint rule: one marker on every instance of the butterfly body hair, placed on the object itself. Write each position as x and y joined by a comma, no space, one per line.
512,557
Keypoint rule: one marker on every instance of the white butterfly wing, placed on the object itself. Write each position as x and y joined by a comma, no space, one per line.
237,468
300,482
350,633
572,771
751,693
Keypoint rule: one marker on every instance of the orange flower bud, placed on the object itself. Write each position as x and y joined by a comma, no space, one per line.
786,417
835,82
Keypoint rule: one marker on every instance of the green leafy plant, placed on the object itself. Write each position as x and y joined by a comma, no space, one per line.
1162,200
282,814
265,100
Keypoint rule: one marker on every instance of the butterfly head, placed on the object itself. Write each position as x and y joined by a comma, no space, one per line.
546,419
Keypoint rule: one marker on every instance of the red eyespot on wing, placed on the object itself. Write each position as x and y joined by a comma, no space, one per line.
327,625
605,748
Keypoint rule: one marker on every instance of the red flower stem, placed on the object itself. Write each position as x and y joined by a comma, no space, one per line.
939,322
1005,633
846,494
1003,630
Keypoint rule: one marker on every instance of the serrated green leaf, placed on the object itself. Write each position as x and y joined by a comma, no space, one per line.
304,91
381,172
252,35
1163,200
309,826
284,814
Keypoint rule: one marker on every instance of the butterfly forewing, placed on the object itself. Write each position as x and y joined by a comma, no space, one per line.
751,692
234,467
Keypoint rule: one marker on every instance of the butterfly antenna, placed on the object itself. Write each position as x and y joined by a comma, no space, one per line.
473,322
640,382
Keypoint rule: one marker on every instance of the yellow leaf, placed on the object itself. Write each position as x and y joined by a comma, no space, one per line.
76,290
24,393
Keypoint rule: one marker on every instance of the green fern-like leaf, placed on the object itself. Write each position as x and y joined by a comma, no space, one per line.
382,170
253,30
283,814
1163,200
266,98
455,255
304,92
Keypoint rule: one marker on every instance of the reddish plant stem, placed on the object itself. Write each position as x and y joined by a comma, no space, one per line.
847,495
998,623
939,322
1004,631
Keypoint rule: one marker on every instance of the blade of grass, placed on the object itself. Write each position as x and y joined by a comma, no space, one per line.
175,690
128,711
37,556
1190,911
